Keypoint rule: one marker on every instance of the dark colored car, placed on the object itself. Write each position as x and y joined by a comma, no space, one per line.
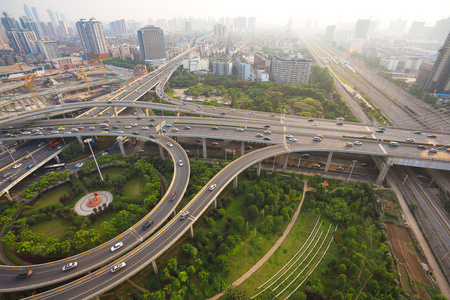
147,225
135,133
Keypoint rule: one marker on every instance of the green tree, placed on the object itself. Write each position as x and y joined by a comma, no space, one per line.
183,276
235,293
189,250
341,281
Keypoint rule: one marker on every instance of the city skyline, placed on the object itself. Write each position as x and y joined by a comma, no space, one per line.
327,12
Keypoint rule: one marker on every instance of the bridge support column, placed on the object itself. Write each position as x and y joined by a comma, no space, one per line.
8,196
330,155
235,183
204,148
174,213
258,169
242,148
161,152
155,267
119,140
57,159
285,162
80,140
215,203
191,232
384,170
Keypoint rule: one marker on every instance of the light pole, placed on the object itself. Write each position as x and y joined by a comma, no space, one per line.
32,158
64,141
351,171
88,141
273,166
299,160
9,153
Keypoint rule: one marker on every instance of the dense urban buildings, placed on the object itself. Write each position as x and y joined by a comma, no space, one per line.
151,43
221,31
439,78
49,49
92,38
291,69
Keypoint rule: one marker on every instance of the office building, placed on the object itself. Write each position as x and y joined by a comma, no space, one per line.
31,25
3,37
222,68
23,41
329,33
397,27
28,12
240,24
221,31
416,30
9,22
361,29
52,16
292,69
439,79
441,30
151,44
242,69
36,15
92,38
251,24
62,28
49,49
425,70
118,28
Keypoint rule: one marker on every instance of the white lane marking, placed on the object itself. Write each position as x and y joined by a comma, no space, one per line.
381,146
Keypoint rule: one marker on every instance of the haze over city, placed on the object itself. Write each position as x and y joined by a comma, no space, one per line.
266,12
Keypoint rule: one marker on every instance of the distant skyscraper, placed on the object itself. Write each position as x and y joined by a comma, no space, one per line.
441,29
289,27
240,24
397,27
92,38
28,12
3,37
416,29
63,28
35,14
150,22
188,26
242,69
439,79
29,24
118,28
52,16
221,31
51,29
361,28
9,22
251,24
329,33
151,44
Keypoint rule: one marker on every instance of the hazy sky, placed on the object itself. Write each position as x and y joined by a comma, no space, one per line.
328,11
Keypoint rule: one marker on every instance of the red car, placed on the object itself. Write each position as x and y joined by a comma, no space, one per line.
172,197
311,120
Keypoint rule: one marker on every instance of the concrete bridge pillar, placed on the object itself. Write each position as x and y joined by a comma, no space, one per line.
80,140
285,162
57,159
330,155
386,165
8,196
174,213
191,231
258,169
119,140
161,152
204,148
155,267
235,183
215,203
242,148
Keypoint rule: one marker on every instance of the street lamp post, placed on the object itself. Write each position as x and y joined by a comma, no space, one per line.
32,158
273,166
88,141
299,160
64,141
351,171
12,157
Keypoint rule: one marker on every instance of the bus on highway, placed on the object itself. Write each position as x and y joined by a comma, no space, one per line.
55,167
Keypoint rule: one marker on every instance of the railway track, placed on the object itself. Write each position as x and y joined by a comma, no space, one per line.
434,224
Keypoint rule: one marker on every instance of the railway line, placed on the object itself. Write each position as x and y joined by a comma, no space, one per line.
434,223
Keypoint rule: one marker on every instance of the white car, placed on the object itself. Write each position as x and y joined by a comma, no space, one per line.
212,187
16,166
133,124
55,132
314,124
357,143
116,246
175,129
26,132
169,144
180,162
70,266
127,127
289,136
118,267
317,138
240,129
67,132
75,129
410,140
144,128
91,128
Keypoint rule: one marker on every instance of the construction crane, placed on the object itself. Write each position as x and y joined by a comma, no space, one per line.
23,72
84,75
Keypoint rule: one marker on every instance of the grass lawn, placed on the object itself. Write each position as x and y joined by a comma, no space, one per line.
104,217
54,227
112,172
133,187
52,197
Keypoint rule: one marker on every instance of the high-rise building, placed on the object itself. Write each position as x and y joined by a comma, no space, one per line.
118,28
240,24
23,41
222,68
3,37
9,22
242,69
251,24
35,14
441,29
29,24
92,38
293,69
361,28
329,33
397,27
28,12
51,29
289,27
52,16
439,79
261,62
188,26
49,49
221,31
416,29
62,28
151,44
